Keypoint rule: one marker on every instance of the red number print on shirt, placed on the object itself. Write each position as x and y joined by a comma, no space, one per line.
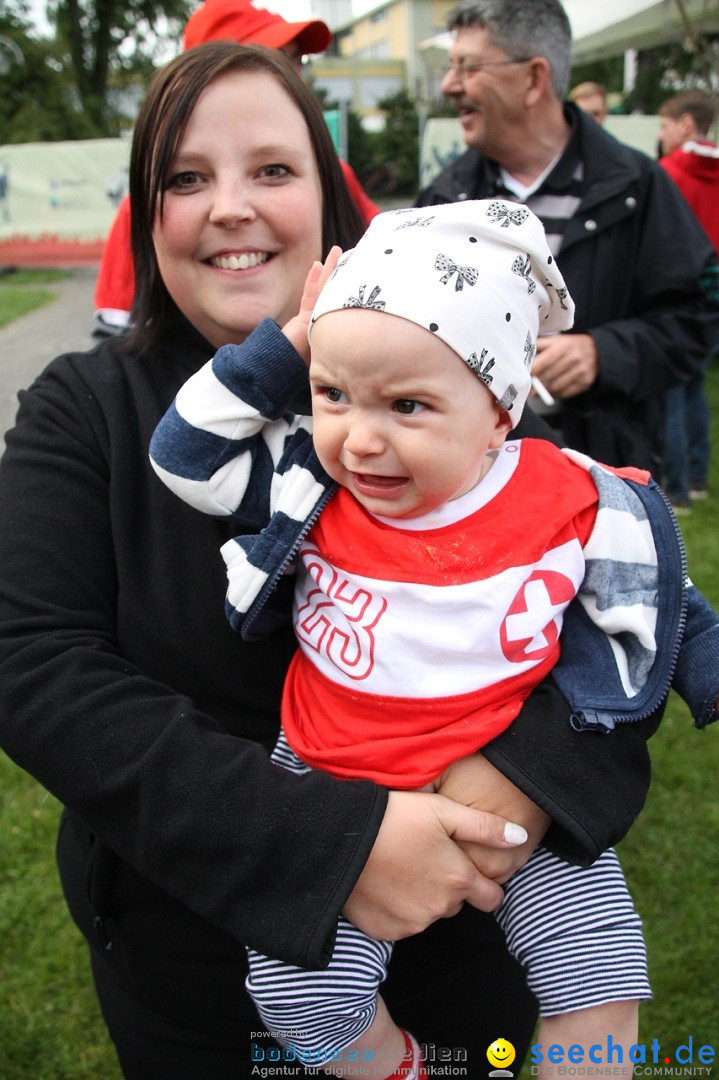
338,618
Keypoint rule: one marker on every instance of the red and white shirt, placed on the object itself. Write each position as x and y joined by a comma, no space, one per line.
420,639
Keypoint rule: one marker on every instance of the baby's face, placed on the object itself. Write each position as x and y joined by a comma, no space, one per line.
399,418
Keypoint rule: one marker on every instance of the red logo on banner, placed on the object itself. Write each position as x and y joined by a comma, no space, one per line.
530,629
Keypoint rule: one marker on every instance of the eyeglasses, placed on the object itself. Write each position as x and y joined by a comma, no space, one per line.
463,68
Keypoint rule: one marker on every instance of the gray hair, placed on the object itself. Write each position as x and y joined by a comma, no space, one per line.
523,28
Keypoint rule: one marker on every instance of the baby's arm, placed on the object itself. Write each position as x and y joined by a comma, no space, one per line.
696,678
220,442
231,425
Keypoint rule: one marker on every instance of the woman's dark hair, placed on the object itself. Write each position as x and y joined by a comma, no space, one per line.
159,131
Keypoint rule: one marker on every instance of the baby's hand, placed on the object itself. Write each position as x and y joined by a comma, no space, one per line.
296,329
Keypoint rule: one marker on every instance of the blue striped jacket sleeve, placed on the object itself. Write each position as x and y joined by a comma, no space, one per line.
229,436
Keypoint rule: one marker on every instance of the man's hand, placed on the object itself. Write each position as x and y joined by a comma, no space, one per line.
416,872
296,329
566,364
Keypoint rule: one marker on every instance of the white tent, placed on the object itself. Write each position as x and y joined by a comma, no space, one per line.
603,28
613,26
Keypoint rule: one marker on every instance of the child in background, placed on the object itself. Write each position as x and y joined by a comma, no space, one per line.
434,565
692,160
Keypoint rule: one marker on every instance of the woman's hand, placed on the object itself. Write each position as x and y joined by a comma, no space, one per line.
417,873
474,782
296,329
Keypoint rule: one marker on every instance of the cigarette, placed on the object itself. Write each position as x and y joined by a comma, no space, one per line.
541,391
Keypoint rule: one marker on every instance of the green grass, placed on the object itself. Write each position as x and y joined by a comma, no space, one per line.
19,292
670,856
50,1027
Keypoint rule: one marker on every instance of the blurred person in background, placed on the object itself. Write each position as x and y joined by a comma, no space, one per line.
592,98
692,160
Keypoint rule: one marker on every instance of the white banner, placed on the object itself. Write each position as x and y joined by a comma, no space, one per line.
443,140
58,200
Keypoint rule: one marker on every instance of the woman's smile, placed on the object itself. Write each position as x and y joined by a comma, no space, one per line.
241,261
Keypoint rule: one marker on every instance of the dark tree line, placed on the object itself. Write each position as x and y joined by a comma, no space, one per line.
78,78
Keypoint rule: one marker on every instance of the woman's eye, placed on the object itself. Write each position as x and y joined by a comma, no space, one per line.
275,171
183,180
407,406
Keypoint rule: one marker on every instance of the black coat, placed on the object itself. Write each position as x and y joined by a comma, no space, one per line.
124,691
638,266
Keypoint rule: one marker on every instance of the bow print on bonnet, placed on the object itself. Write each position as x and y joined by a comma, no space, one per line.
478,274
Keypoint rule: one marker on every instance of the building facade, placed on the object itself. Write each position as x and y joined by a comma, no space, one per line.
381,52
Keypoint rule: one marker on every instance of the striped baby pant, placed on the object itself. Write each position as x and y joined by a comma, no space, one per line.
574,930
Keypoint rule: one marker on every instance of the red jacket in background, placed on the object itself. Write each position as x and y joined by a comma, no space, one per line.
115,286
694,168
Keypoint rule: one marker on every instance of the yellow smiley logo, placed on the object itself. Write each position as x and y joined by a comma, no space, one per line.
500,1053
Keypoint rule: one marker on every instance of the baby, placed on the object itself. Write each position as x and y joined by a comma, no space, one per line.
434,565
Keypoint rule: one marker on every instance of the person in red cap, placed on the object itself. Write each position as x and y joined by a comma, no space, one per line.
215,20
245,22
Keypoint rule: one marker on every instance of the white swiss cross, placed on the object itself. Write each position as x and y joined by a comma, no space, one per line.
530,629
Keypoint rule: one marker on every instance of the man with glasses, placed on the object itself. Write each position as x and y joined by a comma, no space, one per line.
632,256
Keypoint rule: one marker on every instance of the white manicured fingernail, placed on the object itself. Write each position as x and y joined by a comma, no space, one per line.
514,834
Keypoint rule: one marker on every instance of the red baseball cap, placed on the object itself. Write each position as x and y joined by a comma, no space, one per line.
241,21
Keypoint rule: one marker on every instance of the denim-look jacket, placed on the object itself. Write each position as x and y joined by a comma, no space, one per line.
687,638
